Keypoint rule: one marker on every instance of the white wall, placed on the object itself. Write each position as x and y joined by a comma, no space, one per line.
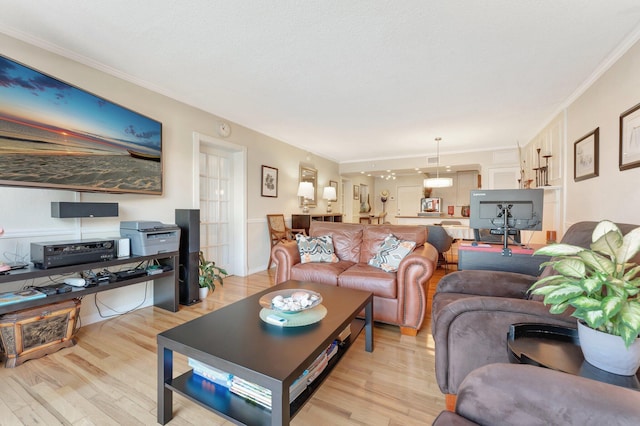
614,194
25,213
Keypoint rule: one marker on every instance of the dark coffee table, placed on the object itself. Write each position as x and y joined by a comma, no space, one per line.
234,339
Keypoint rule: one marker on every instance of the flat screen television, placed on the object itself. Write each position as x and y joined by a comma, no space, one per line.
55,135
506,212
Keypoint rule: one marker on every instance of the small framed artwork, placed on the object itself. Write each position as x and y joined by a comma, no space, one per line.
586,156
269,183
334,184
630,138
356,192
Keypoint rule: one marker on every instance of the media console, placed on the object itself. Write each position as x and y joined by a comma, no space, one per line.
165,284
491,257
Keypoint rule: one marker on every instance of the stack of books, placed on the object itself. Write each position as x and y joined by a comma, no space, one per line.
210,373
261,395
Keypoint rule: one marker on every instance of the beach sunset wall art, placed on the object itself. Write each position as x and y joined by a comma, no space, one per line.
54,135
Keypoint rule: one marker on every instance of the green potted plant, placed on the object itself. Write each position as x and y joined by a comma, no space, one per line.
603,287
209,273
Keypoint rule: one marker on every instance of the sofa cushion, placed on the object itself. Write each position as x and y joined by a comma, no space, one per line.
374,235
391,252
324,273
316,249
347,238
369,278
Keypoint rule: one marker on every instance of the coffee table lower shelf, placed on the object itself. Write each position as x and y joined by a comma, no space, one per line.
240,410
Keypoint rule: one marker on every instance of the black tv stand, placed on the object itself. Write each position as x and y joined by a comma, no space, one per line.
165,293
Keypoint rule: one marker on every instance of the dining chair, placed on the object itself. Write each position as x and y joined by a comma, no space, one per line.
279,231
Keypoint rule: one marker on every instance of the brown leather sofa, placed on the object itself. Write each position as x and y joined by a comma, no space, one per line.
400,298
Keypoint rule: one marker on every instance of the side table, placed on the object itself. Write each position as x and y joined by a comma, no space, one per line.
558,348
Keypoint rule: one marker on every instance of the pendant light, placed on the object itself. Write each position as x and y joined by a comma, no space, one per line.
438,182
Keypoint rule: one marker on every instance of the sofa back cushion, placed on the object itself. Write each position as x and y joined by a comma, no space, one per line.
374,235
347,238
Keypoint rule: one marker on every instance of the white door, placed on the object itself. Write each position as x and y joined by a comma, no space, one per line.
220,188
216,187
409,200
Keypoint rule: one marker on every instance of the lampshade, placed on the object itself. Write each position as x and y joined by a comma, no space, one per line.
305,189
329,193
437,182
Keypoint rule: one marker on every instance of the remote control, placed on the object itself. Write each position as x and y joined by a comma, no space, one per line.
276,320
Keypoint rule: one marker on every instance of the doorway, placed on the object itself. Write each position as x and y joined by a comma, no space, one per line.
219,192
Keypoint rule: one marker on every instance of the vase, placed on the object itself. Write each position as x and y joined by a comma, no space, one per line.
204,292
608,352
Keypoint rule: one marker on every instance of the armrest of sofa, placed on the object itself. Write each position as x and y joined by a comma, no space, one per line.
487,283
514,394
471,331
285,255
412,277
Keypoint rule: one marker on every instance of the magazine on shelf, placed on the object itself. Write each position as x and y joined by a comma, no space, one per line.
11,297
210,373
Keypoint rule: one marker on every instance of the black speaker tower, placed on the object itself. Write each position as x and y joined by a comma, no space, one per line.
189,222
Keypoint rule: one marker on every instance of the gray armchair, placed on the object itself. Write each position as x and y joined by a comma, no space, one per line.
472,311
442,241
525,395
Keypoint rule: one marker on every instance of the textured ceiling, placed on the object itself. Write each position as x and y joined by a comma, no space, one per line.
349,80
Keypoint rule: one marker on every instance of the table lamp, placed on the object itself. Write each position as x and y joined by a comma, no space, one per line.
305,190
329,194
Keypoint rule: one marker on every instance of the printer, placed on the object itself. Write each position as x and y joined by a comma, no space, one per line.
150,237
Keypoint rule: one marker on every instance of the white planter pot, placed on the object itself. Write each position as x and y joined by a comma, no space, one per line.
608,352
204,292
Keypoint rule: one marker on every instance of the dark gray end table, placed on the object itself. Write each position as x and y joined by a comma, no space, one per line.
558,348
234,339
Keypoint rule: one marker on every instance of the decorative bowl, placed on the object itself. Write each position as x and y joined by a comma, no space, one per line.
291,301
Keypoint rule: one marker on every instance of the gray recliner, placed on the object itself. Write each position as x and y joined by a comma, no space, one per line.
526,395
472,311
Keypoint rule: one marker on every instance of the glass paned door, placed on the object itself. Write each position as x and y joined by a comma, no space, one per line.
215,192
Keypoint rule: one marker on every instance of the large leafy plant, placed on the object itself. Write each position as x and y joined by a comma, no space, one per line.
599,283
209,273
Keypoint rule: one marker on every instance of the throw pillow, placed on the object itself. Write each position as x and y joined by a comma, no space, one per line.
391,252
316,249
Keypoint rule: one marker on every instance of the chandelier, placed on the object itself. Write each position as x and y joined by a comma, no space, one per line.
438,182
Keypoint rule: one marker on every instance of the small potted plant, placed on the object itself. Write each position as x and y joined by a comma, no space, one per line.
209,273
603,287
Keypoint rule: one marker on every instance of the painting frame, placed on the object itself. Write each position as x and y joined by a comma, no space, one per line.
629,155
586,156
269,182
334,184
101,146
356,192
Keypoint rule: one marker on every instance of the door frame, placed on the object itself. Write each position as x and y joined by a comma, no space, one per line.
238,214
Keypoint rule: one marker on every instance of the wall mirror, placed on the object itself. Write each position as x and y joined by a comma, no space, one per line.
309,174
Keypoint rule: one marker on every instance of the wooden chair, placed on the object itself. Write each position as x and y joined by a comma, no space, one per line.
278,231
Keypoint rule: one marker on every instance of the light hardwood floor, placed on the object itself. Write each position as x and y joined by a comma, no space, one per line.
109,377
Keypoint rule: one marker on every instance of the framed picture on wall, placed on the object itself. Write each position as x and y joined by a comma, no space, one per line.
334,184
356,192
586,156
269,185
630,138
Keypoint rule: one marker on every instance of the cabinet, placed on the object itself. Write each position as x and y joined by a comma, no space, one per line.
303,221
491,258
165,284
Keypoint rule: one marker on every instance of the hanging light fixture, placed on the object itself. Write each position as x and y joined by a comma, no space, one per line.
438,182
